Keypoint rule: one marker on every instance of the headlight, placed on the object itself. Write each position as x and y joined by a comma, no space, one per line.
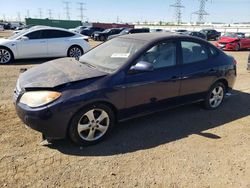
39,98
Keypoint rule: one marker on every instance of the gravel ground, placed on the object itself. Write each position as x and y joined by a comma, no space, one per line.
182,147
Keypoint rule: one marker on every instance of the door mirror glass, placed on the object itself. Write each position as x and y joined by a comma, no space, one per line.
141,66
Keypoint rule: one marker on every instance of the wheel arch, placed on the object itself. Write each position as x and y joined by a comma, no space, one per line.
93,103
7,48
224,81
76,45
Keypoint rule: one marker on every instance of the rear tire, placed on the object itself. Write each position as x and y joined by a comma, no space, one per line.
91,125
75,51
6,56
237,48
215,96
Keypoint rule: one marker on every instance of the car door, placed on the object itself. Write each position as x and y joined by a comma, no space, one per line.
58,42
197,73
245,42
149,91
34,46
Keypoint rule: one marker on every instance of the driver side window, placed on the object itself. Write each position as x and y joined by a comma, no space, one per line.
34,35
161,55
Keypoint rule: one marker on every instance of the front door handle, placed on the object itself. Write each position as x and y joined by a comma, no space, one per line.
42,41
175,78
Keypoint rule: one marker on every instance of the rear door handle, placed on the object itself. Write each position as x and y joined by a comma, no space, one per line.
42,41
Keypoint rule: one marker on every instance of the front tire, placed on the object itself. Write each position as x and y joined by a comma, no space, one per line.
6,56
75,51
91,125
215,96
237,48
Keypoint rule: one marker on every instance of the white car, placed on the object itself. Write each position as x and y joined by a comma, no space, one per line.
43,42
1,28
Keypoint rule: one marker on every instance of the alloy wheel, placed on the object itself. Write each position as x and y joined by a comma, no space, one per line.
75,52
93,124
216,96
5,56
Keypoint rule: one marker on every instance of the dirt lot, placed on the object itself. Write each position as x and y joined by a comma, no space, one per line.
183,147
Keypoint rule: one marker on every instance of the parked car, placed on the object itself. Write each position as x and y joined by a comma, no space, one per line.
78,29
181,31
233,41
248,65
90,30
125,77
41,42
195,34
156,30
211,34
103,36
130,31
1,28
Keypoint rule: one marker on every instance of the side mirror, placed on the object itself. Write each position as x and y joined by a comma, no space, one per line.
24,38
141,66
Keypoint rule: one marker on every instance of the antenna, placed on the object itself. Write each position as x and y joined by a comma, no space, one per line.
201,12
50,13
40,13
81,8
67,9
178,6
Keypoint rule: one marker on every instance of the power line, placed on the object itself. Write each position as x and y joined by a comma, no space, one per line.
81,9
178,6
67,9
201,12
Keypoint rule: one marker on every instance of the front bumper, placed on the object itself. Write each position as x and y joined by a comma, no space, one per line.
51,121
226,46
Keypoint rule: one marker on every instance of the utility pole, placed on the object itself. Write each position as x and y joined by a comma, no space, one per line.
67,9
81,9
27,13
50,13
40,13
178,6
201,12
18,16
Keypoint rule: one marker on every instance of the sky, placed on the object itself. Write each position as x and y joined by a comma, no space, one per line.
227,11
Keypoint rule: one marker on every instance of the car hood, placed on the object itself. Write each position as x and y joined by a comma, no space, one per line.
227,39
4,41
57,72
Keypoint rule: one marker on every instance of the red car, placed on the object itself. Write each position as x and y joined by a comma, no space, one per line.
233,41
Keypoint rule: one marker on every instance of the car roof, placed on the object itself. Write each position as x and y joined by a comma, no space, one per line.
151,36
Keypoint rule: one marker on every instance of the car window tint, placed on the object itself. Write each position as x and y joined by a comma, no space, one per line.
34,35
56,34
161,55
193,52
213,51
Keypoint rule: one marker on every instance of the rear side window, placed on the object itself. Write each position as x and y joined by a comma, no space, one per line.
56,34
193,52
213,51
34,35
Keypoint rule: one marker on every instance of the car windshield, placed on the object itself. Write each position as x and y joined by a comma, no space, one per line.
111,55
106,30
232,35
15,36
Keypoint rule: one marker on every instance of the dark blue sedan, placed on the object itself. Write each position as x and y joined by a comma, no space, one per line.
123,78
